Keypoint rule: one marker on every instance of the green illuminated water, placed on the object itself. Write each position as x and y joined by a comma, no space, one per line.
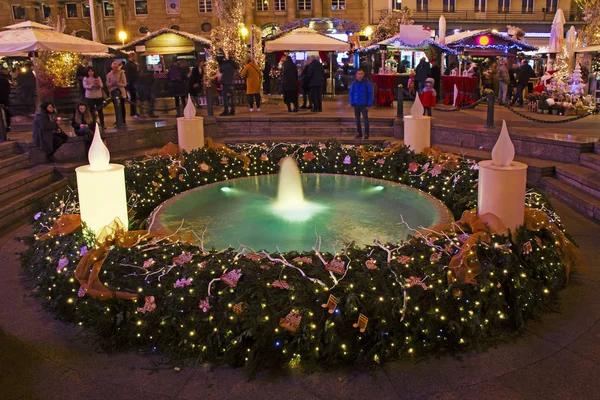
340,209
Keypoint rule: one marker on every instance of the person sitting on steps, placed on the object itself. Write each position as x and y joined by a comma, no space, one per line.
47,135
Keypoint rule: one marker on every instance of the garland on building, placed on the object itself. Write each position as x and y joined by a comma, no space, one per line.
451,288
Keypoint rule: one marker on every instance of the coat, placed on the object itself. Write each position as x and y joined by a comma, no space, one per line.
116,80
253,75
93,87
423,71
5,89
361,93
131,72
503,75
290,76
428,97
227,69
525,72
196,81
44,129
315,74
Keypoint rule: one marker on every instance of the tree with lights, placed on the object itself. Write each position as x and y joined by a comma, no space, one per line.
590,33
390,24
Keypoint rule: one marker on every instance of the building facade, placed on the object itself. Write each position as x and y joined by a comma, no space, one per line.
137,17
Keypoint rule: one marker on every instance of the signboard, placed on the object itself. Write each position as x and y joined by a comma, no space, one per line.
140,49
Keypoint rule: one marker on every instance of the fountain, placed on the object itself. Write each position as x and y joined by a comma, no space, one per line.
285,212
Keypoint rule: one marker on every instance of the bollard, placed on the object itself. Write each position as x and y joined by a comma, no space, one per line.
209,101
489,123
118,112
3,137
400,102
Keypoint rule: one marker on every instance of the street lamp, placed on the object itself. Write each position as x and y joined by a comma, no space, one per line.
122,35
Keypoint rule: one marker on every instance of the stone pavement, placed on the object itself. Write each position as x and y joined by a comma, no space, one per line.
557,358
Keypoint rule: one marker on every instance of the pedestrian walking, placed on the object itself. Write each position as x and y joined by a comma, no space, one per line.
94,95
290,84
196,81
316,81
116,82
176,79
361,98
227,70
503,81
253,75
523,76
47,135
132,73
422,72
5,89
428,96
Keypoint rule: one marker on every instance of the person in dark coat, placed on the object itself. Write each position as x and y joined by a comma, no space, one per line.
290,84
146,92
132,73
305,88
83,123
227,69
27,82
525,73
47,135
512,84
5,88
436,74
196,81
267,78
316,81
422,72
176,79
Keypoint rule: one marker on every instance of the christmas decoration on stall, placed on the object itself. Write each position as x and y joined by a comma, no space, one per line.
577,84
389,25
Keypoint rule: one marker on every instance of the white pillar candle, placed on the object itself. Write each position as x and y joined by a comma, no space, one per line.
502,184
190,129
101,189
417,128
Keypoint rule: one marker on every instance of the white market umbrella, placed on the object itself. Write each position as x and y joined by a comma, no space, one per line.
305,39
557,33
570,43
29,36
442,30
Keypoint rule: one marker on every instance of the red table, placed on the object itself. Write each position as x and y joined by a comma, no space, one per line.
384,92
466,89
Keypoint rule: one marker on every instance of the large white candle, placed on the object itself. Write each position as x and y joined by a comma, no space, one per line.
190,129
417,128
502,183
101,188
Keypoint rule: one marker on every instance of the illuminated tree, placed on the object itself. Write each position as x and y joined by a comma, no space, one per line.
590,33
390,24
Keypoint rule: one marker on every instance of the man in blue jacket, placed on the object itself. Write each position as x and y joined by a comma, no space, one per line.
361,98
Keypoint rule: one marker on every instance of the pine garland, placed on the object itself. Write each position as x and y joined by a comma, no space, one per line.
434,314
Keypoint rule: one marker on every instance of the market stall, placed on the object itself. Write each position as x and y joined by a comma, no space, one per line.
466,89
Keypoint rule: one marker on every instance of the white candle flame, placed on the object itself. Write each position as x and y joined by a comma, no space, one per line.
189,112
503,152
98,156
417,108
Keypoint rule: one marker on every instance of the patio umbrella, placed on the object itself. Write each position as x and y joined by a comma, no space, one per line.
442,29
306,39
30,36
557,33
571,40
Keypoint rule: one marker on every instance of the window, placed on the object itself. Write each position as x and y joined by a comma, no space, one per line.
338,4
304,5
551,6
109,9
480,5
422,5
262,5
397,4
85,10
279,5
71,10
47,12
141,7
18,12
449,6
204,6
503,6
527,6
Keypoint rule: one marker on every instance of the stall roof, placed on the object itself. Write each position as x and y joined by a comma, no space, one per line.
195,38
588,49
396,42
306,39
456,39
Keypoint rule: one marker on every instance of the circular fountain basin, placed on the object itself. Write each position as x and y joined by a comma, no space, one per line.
338,208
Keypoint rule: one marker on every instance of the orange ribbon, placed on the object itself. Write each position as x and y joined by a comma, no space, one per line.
65,224
222,148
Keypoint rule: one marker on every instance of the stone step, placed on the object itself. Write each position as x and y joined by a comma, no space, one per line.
13,162
580,177
21,210
8,149
22,182
575,198
590,160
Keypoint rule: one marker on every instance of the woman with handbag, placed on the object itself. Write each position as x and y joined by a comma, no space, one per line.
94,95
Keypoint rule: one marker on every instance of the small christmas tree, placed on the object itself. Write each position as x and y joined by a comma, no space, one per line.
576,81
